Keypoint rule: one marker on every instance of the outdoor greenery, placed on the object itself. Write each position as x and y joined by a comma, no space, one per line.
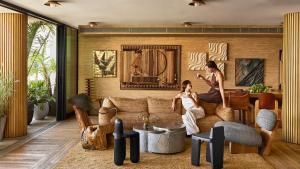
38,92
258,88
6,90
39,33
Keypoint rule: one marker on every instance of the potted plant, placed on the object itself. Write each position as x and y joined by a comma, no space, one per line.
258,88
6,90
38,95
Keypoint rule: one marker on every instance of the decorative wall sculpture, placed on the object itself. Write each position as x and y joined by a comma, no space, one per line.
150,67
197,61
249,72
105,63
217,51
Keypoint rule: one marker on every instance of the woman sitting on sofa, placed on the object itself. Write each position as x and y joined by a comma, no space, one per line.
191,104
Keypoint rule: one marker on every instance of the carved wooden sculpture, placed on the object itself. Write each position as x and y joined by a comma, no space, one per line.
94,137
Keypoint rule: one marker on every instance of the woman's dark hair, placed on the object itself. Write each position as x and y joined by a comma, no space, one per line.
212,64
184,84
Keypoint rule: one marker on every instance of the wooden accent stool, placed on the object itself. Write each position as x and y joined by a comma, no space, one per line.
94,137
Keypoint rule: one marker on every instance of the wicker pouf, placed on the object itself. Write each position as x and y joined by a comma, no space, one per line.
105,115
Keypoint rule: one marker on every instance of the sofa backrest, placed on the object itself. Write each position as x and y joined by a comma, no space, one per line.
152,105
161,105
126,104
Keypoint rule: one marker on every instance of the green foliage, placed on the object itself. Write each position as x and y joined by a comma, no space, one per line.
258,88
38,92
39,33
6,90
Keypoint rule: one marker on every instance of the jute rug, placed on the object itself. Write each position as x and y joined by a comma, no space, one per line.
78,158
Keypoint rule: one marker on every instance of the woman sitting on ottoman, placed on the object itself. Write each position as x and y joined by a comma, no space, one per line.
190,103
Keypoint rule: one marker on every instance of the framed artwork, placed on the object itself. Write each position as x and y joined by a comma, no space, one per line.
150,67
217,51
197,61
105,63
249,71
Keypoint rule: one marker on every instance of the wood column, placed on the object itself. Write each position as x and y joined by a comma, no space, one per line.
291,78
13,59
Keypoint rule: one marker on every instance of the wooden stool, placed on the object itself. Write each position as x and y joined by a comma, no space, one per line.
97,137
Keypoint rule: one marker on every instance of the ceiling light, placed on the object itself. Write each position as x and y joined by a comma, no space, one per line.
187,24
197,3
92,24
52,3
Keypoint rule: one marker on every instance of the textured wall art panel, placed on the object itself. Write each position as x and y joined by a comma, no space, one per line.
197,61
217,51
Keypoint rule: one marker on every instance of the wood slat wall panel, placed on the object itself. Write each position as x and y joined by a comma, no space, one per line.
13,59
291,78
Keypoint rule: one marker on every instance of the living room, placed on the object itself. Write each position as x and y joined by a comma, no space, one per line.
143,64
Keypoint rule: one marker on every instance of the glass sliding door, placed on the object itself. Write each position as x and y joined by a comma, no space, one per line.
71,67
41,53
66,69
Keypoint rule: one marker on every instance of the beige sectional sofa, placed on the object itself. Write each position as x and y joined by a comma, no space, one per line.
129,110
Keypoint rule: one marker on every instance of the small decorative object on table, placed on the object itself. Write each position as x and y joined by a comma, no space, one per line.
147,119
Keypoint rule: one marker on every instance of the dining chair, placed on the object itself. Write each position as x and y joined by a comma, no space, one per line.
240,101
267,101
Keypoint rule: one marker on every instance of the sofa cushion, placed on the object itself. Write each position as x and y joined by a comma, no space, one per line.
240,133
129,104
159,105
266,119
164,118
107,103
206,123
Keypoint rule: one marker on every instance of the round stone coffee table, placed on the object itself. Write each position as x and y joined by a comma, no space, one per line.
162,138
143,135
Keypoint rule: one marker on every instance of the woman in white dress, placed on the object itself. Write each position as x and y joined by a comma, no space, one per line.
190,103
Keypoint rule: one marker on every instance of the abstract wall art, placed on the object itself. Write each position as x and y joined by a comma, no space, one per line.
217,51
197,61
249,71
151,67
105,63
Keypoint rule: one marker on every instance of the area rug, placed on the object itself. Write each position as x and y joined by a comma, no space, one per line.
78,158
